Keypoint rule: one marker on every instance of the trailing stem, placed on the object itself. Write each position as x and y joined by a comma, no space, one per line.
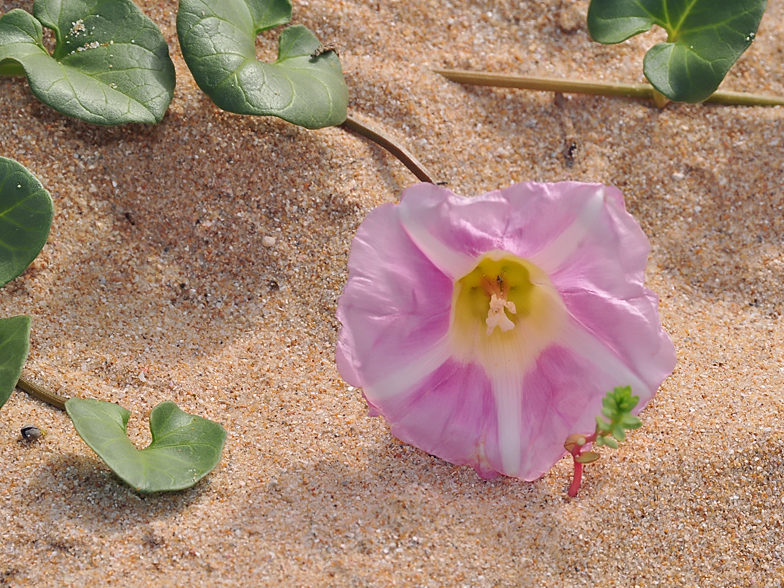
597,88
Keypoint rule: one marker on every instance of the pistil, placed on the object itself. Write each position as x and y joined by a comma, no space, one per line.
496,315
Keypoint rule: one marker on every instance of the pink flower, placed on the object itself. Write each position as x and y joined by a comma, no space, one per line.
487,330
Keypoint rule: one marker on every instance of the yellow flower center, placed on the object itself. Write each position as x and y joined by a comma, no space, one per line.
510,293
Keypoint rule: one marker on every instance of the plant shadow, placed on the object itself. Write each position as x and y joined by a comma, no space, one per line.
84,491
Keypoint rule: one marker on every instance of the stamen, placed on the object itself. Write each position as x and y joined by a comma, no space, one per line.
496,316
490,287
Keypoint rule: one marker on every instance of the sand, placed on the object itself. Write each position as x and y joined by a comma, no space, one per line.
159,282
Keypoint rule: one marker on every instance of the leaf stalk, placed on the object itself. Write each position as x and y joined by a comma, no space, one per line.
400,152
41,393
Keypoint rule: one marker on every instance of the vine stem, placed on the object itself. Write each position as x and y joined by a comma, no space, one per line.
41,393
596,88
405,157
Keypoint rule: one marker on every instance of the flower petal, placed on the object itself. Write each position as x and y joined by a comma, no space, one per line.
611,255
623,338
395,306
450,414
572,236
524,219
511,425
419,212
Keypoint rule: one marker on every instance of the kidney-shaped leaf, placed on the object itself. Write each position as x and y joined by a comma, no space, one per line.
304,86
705,38
25,217
14,344
184,447
111,64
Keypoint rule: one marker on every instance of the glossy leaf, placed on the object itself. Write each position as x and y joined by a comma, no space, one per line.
184,447
111,64
14,345
217,38
705,38
25,218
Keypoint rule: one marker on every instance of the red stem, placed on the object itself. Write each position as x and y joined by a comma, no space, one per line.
574,488
576,480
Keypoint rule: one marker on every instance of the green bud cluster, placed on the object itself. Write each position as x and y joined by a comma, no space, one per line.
616,407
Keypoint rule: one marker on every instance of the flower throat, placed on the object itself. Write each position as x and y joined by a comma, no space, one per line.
497,292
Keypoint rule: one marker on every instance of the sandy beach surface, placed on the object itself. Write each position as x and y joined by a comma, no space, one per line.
156,285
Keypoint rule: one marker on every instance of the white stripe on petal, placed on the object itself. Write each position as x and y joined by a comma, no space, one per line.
564,246
576,338
453,263
508,394
401,381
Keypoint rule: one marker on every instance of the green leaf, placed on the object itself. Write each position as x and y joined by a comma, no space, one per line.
111,64
587,457
602,425
629,421
610,442
14,345
217,38
705,38
619,432
184,448
26,213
